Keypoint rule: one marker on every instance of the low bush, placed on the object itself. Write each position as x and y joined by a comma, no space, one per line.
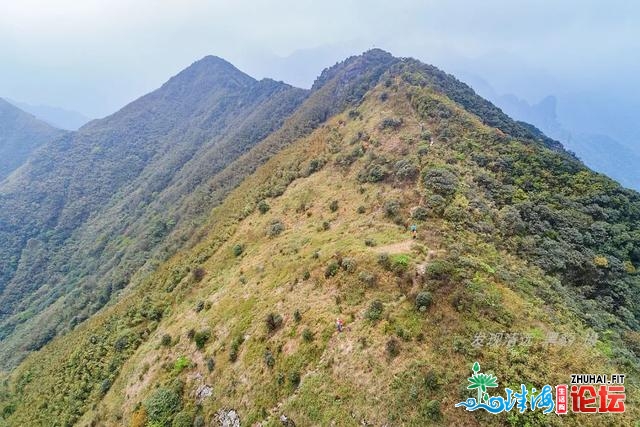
263,207
392,347
332,269
237,250
201,338
273,321
307,335
367,278
374,312
269,359
423,300
275,228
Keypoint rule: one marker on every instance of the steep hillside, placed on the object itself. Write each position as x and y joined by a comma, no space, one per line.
513,236
87,211
20,135
121,195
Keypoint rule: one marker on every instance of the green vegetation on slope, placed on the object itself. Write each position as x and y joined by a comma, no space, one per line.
20,135
321,232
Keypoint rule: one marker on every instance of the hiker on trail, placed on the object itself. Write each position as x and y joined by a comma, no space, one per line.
414,230
339,324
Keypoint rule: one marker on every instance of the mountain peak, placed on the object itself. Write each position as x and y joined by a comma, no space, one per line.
205,75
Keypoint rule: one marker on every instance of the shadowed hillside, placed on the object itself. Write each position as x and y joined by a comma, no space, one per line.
20,135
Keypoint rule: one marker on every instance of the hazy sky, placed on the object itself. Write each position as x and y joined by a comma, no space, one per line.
94,56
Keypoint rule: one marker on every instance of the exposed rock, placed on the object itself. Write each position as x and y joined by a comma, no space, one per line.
286,421
203,392
228,418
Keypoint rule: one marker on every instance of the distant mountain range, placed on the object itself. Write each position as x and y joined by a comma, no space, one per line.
20,135
55,116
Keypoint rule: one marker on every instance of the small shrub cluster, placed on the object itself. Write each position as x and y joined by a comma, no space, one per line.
392,208
235,347
367,278
420,213
263,207
374,312
423,300
269,359
307,335
201,338
275,228
440,181
390,123
237,250
198,274
405,170
332,269
333,206
375,171
273,322
392,347
166,340
348,264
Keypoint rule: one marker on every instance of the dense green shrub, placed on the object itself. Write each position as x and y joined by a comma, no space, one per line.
263,207
405,169
392,208
269,359
441,181
435,205
273,321
420,213
375,171
161,405
237,250
199,306
390,123
297,317
201,338
440,270
307,335
166,340
275,228
211,364
384,260
294,379
423,300
374,312
332,269
349,265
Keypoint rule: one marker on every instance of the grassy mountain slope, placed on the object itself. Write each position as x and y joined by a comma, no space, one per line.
89,209
20,135
514,235
92,245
